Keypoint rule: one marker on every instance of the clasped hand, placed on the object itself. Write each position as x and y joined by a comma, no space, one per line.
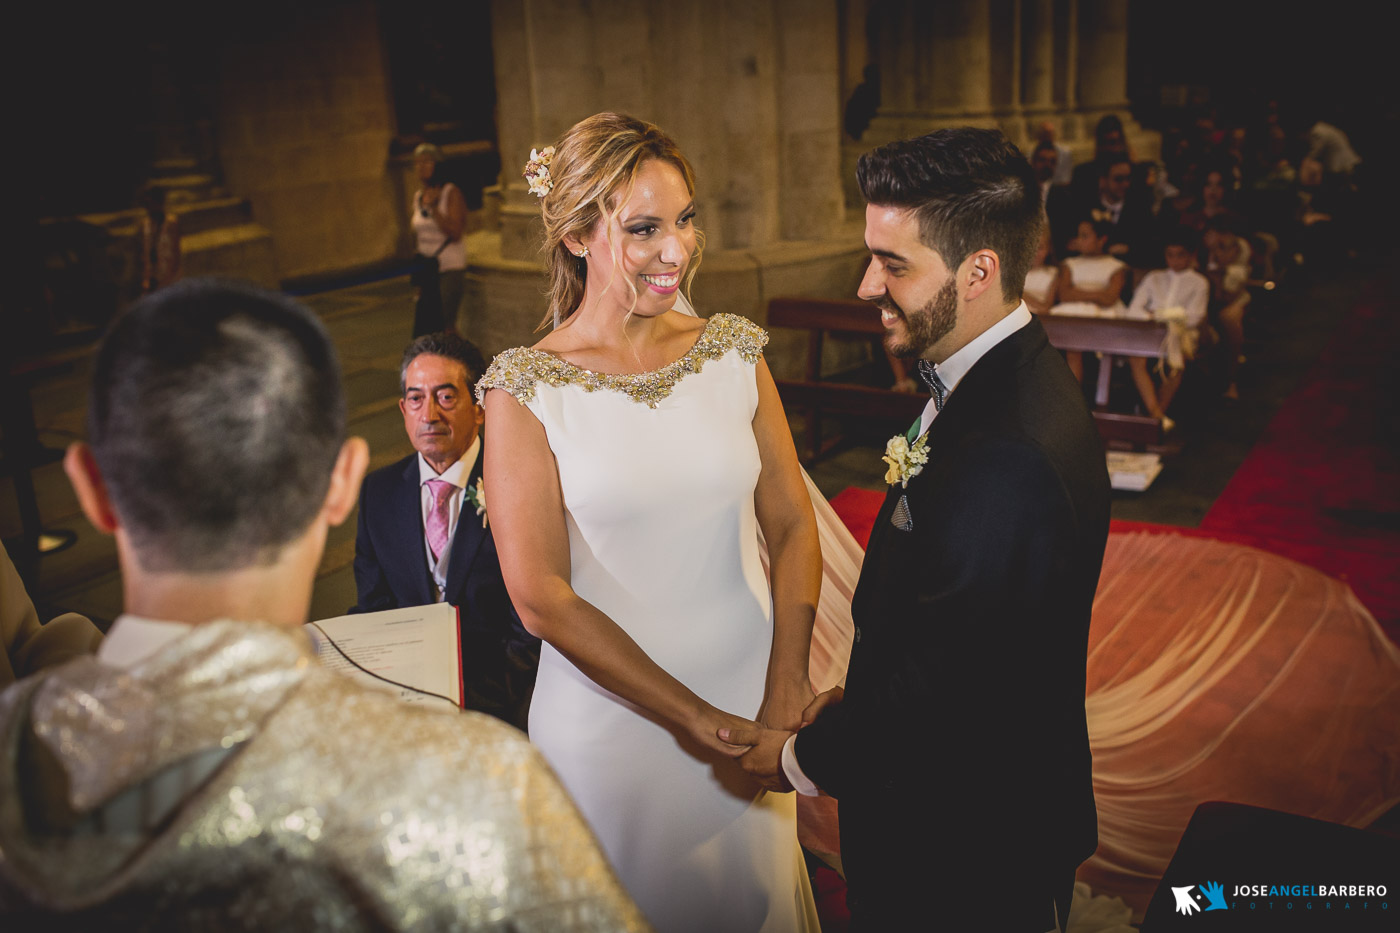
764,758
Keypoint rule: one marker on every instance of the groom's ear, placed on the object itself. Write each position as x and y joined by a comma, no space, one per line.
979,271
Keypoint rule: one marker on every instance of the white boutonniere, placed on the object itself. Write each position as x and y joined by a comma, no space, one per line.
476,495
905,460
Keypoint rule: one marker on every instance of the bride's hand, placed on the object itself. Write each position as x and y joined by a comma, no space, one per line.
705,726
785,704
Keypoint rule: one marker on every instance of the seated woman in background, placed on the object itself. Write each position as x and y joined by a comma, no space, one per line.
1217,191
439,219
1177,295
1091,284
1039,291
1227,268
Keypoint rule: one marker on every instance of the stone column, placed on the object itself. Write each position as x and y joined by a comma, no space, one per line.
1037,57
1103,55
1005,36
1066,79
960,59
810,202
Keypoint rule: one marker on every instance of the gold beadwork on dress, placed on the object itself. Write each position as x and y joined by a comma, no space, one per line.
518,371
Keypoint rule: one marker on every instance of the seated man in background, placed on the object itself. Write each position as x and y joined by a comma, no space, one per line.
1127,210
26,645
424,535
203,771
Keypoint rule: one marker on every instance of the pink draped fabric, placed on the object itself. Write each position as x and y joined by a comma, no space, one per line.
1220,672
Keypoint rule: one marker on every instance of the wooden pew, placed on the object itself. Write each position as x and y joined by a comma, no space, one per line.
1111,337
817,396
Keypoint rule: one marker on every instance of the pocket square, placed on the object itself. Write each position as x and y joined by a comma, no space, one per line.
900,517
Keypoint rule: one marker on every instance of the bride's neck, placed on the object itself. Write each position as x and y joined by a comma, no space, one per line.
605,324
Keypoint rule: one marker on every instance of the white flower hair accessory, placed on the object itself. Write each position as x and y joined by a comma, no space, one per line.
537,171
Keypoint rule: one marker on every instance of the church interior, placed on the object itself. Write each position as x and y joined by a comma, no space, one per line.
1245,644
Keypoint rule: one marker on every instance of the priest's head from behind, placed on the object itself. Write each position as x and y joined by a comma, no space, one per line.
216,452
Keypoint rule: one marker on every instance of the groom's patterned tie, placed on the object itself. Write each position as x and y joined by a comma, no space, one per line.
437,518
928,372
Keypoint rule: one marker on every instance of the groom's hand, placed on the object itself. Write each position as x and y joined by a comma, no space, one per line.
764,761
823,700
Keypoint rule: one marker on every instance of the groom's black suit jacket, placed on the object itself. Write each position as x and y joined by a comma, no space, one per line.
960,755
499,657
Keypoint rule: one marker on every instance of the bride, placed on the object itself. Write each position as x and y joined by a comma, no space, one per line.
636,453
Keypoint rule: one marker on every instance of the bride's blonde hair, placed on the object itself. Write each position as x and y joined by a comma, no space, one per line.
594,167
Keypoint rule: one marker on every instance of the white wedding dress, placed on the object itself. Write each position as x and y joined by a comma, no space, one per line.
657,473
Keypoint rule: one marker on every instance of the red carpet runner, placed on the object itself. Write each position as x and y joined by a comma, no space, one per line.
1322,486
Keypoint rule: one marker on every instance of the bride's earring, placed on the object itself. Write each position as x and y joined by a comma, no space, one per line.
582,253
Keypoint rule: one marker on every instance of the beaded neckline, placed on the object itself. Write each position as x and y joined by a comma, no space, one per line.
518,371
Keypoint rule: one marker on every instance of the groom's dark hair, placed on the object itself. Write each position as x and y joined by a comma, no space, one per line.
970,188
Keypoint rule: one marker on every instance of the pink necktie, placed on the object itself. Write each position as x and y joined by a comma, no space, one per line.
437,518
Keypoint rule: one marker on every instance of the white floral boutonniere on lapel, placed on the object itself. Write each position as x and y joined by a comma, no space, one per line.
476,495
906,460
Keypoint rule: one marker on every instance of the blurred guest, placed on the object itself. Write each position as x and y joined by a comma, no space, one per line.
1214,202
439,219
1177,295
1043,161
1064,158
424,533
1110,140
1039,290
203,772
1331,148
1227,268
25,644
160,242
1090,283
1127,211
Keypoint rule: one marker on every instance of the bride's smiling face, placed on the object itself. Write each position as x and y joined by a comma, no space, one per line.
637,257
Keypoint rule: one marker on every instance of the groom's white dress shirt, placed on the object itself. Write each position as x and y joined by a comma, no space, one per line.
950,372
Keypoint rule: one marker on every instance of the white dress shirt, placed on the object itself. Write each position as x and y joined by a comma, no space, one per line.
133,639
1163,288
950,373
456,475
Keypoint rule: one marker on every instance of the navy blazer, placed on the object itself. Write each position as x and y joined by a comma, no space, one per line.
960,752
499,657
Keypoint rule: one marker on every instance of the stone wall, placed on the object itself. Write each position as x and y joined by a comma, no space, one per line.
303,125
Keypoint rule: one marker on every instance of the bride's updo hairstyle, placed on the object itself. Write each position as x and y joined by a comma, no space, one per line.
592,171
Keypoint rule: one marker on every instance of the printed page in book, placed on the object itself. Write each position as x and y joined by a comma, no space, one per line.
415,653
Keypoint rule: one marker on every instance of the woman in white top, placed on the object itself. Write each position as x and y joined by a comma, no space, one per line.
1041,279
438,220
1091,284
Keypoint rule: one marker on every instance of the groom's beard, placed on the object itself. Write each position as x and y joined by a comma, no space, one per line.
924,327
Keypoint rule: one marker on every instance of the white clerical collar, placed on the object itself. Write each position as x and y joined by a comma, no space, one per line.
951,370
133,639
457,473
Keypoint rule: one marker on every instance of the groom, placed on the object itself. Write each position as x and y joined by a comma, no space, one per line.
959,751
